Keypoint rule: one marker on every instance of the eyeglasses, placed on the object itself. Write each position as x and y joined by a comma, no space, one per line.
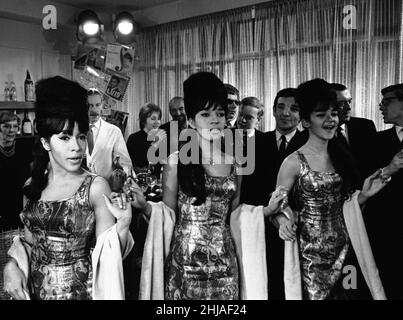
230,101
344,102
386,101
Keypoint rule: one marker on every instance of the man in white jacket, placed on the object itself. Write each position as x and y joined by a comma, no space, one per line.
105,140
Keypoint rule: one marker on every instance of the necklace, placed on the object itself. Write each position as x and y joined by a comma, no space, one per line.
8,153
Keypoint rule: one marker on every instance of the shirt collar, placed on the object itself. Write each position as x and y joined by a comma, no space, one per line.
97,124
288,136
250,132
399,131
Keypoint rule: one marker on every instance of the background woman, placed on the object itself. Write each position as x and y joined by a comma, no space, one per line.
321,176
137,143
65,211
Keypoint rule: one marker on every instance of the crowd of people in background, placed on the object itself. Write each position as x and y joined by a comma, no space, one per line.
319,179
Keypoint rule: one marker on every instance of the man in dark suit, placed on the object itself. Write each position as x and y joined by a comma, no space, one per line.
252,188
271,149
179,121
233,103
384,211
356,134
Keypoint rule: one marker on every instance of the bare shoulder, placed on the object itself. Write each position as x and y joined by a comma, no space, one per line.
99,186
291,163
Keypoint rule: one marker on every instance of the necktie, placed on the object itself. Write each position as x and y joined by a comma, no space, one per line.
341,137
90,139
282,147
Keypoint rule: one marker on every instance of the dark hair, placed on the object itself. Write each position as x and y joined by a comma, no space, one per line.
7,116
286,93
128,56
115,78
231,89
338,86
397,89
317,95
254,102
174,100
58,102
202,91
146,111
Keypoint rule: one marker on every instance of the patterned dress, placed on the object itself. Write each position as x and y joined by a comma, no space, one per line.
63,233
202,263
322,235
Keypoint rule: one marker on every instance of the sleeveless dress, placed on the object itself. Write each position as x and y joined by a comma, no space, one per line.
322,235
202,262
63,233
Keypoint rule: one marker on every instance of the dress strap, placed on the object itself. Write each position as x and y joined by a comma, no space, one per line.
304,163
84,190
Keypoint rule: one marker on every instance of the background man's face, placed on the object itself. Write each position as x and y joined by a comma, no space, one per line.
233,107
178,113
94,107
114,82
286,113
248,117
392,109
344,102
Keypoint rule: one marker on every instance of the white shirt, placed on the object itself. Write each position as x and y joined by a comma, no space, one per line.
399,132
95,129
344,131
288,138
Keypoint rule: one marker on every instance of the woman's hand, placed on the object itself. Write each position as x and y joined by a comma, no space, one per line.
119,206
160,135
372,185
136,196
15,282
278,201
287,228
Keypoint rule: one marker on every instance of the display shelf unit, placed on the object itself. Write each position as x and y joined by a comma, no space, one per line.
17,105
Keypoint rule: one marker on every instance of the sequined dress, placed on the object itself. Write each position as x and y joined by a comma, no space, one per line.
202,263
322,235
63,233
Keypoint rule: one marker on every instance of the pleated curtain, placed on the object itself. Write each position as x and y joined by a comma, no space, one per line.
264,48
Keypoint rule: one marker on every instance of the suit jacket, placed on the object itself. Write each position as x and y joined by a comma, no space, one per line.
384,215
108,144
361,133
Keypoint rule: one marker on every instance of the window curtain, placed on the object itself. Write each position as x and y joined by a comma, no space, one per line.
264,48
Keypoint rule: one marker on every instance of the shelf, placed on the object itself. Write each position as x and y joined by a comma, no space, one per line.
17,105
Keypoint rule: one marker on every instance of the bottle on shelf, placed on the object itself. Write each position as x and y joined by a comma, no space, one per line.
29,87
13,92
27,128
6,92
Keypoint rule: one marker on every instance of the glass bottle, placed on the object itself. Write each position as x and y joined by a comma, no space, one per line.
118,176
29,87
13,92
6,92
27,128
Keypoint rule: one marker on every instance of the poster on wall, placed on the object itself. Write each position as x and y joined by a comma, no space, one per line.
91,78
120,59
92,56
117,85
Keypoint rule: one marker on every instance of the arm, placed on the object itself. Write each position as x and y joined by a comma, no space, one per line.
372,185
170,185
286,177
236,199
104,217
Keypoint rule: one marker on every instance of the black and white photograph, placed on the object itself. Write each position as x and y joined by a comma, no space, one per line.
236,153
